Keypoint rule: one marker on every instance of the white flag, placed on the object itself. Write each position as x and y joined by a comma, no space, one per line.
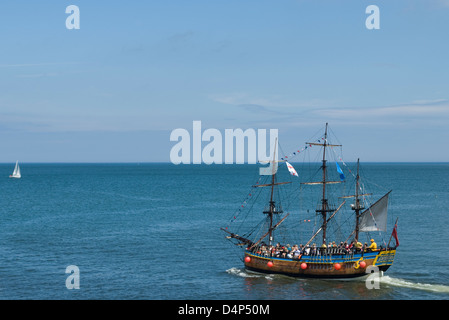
291,169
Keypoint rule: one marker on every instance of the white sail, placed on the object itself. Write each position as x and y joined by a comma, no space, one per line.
375,217
16,172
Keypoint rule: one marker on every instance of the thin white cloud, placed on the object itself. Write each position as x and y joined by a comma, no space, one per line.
414,110
37,75
282,112
21,65
273,101
51,122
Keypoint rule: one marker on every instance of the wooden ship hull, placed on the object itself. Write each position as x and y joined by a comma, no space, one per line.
337,266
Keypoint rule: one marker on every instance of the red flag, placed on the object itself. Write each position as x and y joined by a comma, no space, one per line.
395,234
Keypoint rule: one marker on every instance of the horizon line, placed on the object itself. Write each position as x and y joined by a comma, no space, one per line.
169,162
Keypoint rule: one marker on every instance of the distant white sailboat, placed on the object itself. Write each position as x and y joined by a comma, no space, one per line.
16,172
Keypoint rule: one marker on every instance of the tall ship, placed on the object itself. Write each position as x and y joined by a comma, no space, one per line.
314,241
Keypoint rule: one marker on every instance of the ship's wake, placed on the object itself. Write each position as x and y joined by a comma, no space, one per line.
387,280
384,280
248,274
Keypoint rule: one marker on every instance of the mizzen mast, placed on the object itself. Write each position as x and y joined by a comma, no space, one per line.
357,207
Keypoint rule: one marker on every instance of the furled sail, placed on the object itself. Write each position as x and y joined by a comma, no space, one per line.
375,217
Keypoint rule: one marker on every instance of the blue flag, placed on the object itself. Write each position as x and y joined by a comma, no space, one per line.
342,176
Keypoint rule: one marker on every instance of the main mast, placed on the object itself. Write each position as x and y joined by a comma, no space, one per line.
357,208
324,203
272,207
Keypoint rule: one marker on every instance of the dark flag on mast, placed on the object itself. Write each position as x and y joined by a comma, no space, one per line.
395,233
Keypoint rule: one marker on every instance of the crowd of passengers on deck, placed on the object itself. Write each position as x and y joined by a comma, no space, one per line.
295,251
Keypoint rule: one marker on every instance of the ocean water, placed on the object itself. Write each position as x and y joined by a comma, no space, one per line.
152,231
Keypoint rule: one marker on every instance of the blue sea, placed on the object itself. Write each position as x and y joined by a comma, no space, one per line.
152,231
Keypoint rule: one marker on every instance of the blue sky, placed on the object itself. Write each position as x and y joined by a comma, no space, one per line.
114,90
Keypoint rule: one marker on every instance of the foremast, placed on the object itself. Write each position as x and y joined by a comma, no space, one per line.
272,209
